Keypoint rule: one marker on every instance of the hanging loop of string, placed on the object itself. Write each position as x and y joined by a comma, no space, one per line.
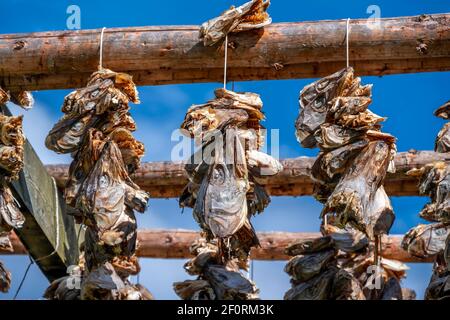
100,63
347,34
225,63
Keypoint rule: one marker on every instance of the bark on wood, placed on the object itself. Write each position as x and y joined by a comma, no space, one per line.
167,179
175,54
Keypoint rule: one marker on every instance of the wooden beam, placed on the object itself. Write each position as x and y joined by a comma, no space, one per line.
167,179
174,244
47,228
175,54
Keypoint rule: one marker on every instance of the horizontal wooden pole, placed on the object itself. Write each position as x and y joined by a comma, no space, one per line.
167,179
174,244
175,54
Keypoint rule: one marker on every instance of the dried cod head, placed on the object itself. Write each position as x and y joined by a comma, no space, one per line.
5,278
355,155
23,99
426,240
105,99
251,15
96,129
224,192
338,266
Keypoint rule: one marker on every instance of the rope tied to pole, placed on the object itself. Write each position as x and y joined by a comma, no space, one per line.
225,63
100,63
347,34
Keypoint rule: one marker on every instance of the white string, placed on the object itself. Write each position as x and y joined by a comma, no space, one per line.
100,65
346,41
56,222
225,64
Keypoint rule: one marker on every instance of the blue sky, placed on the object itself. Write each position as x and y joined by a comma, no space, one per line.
407,100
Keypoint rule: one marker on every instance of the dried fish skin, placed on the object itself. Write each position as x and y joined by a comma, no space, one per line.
11,130
223,189
225,201
5,242
12,140
67,134
11,163
430,176
379,216
96,129
408,294
392,290
314,103
102,283
106,92
10,215
107,188
117,119
317,288
228,108
425,241
332,164
439,286
4,96
303,267
435,182
261,164
346,239
332,136
194,290
346,287
248,101
103,190
132,150
257,198
346,106
197,265
84,160
442,143
308,246
230,285
366,120
118,242
352,195
392,267
443,111
23,99
5,279
224,208
348,174
251,15
124,82
66,288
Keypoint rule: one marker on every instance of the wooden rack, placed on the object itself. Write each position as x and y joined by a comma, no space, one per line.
174,54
